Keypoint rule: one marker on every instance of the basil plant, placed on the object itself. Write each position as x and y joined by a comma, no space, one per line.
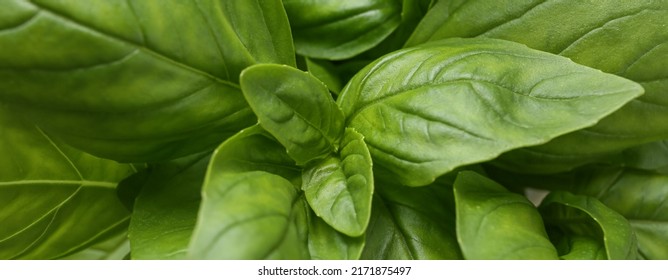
333,129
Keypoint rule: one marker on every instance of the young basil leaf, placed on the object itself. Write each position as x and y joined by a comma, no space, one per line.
640,196
55,200
165,211
409,223
326,243
135,85
296,108
585,215
626,38
250,215
340,188
469,100
493,223
340,29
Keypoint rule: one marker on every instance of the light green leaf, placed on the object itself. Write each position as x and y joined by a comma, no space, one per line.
125,69
250,215
340,29
165,212
584,215
326,243
55,200
581,248
296,108
408,223
340,188
640,196
493,223
115,248
626,38
427,110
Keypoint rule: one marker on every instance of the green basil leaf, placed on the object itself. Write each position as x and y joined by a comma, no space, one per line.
56,200
340,29
296,108
585,215
427,110
588,33
581,248
640,196
250,215
126,69
340,188
166,209
326,243
408,223
651,156
325,71
493,223
115,248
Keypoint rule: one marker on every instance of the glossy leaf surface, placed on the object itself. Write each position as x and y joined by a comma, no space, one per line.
427,110
339,188
55,200
164,213
296,108
493,223
409,223
640,196
585,215
125,69
626,38
340,29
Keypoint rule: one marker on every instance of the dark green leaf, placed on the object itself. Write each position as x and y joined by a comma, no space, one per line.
581,215
340,29
165,211
626,38
408,223
296,108
427,110
339,188
640,196
326,72
493,223
137,80
55,200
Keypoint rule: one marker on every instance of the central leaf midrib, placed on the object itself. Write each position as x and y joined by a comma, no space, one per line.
137,46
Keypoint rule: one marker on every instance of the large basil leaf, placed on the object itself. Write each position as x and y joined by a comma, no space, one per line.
427,110
326,243
296,108
55,200
340,29
250,215
411,223
652,156
586,216
588,32
115,248
493,223
134,84
165,211
340,188
638,195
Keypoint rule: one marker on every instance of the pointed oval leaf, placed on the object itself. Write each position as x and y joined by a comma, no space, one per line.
493,223
626,38
126,68
585,215
340,188
427,110
249,215
340,29
296,108
56,200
